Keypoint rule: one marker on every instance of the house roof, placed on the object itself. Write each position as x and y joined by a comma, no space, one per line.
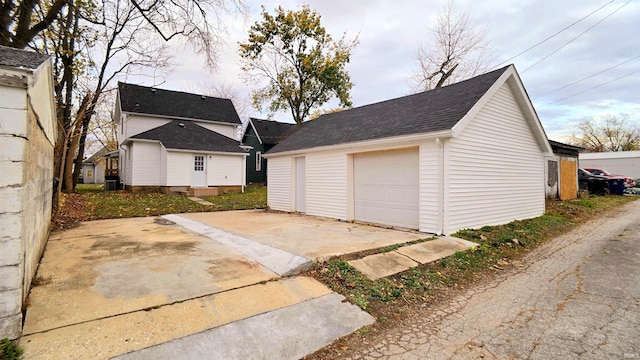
148,100
271,132
21,58
426,112
186,135
98,154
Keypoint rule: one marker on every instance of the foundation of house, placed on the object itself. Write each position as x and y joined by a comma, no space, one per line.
186,190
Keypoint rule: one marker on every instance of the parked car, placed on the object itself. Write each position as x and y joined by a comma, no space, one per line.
628,180
595,184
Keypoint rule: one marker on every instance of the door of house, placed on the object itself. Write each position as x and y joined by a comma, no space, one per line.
199,173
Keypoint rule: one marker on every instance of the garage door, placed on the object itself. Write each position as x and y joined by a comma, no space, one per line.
386,187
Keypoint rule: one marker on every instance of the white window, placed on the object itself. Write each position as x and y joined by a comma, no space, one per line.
258,161
198,163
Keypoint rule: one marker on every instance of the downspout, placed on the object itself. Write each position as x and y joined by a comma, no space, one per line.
441,190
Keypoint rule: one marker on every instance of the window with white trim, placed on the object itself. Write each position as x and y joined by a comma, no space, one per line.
258,161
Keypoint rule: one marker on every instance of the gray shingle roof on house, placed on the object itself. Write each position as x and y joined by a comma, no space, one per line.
21,58
147,100
426,112
94,158
272,132
186,135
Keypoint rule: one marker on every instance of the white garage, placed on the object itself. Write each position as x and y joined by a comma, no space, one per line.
386,187
462,156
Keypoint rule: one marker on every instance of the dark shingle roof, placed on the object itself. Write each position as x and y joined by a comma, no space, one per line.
94,158
429,111
21,58
147,100
190,136
272,132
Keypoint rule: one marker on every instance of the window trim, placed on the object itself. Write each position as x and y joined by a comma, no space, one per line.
258,161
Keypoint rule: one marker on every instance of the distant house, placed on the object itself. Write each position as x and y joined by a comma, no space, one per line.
562,171
616,162
28,133
93,168
462,156
262,135
177,141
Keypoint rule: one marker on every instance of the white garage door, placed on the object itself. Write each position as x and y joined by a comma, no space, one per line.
386,187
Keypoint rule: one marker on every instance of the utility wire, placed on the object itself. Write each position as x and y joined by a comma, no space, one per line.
588,77
591,88
573,39
554,35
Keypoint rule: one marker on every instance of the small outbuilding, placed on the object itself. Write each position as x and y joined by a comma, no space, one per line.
462,156
562,171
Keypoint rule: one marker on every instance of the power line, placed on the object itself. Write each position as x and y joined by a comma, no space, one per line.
588,77
591,88
572,40
554,35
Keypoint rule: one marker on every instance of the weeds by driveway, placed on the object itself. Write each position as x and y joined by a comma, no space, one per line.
91,202
397,298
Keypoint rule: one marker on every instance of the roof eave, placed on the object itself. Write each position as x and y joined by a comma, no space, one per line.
413,138
180,118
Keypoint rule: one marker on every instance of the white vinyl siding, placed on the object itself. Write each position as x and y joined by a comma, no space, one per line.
128,161
495,169
146,162
136,124
326,184
279,183
179,168
430,187
226,130
225,170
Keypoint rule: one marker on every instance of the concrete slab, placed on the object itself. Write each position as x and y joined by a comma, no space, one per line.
311,237
116,335
301,329
382,265
279,261
110,267
199,200
432,250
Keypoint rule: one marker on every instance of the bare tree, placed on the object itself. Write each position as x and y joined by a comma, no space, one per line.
607,133
225,90
456,51
19,24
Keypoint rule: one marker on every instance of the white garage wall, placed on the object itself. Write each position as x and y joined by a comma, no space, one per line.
279,183
494,170
225,170
179,168
326,184
146,158
430,187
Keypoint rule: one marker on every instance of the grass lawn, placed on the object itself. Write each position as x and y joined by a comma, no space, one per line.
91,202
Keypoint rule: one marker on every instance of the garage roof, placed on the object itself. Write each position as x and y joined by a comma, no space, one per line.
186,135
430,111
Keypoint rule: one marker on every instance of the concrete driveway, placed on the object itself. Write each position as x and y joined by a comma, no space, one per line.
112,287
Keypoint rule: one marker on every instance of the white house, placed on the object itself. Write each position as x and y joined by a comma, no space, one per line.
93,168
176,141
28,133
461,156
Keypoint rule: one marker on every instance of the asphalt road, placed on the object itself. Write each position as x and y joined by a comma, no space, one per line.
576,297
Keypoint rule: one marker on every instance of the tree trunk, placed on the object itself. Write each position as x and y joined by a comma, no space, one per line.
74,132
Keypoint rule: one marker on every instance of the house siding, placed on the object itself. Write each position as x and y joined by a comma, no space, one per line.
136,124
225,170
229,131
494,169
251,139
279,189
326,184
430,187
146,159
620,162
179,168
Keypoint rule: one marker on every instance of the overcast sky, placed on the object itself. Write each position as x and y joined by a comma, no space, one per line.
391,31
